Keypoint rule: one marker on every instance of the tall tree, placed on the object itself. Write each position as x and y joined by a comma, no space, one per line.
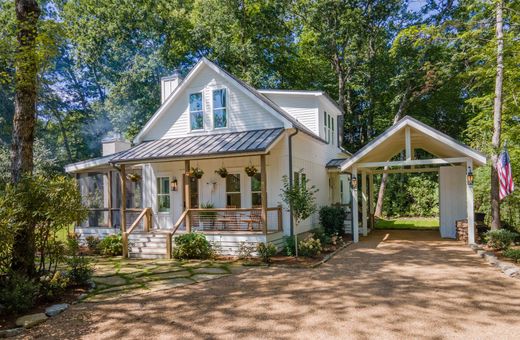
497,119
27,14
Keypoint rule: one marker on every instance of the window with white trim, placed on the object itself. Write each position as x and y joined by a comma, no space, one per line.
219,108
196,111
163,194
233,195
328,127
256,190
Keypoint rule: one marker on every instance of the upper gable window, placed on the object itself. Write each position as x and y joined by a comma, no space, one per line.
196,111
328,127
219,109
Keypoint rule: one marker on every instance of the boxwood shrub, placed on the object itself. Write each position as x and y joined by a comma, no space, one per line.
192,246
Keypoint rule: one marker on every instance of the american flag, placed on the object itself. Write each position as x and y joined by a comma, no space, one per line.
505,176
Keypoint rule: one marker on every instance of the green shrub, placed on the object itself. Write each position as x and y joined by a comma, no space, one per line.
289,248
324,237
310,247
500,239
513,254
18,293
53,286
111,245
79,270
192,246
93,243
73,243
332,219
266,251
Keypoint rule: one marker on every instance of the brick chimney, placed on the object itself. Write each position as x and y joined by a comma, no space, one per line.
169,84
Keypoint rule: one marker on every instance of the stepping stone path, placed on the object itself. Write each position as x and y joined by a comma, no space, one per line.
116,277
56,309
31,320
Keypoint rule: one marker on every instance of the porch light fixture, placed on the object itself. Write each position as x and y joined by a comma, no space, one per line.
174,185
469,177
354,182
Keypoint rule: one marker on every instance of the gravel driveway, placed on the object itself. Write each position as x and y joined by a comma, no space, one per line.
394,284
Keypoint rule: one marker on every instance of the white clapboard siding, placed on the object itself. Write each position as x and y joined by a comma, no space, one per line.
302,107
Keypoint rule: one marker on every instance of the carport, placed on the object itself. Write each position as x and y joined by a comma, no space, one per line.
453,160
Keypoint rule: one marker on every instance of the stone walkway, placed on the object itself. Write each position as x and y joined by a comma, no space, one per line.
116,277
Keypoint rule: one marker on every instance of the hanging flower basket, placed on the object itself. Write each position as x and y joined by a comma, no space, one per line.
133,177
196,172
222,172
251,170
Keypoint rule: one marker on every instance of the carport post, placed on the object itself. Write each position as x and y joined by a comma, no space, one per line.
469,205
355,222
364,201
371,205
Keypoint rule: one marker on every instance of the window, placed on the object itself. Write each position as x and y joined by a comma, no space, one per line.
163,194
219,109
196,111
233,197
256,190
300,179
328,127
194,192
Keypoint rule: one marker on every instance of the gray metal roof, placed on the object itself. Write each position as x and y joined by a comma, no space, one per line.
335,163
200,146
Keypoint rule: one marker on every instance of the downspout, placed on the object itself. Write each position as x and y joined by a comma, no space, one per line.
291,176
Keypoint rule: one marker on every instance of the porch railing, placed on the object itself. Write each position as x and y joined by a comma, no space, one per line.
109,218
234,219
144,219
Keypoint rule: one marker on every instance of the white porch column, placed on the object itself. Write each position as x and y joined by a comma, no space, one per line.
371,200
355,221
364,201
469,205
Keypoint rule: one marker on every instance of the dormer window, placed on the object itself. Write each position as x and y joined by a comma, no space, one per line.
196,111
328,127
219,109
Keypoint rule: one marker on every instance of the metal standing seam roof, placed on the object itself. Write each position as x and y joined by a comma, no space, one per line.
335,163
203,145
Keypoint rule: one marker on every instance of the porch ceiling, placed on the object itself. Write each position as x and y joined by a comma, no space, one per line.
201,146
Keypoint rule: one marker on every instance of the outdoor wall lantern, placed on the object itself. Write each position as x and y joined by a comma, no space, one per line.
174,185
354,182
469,177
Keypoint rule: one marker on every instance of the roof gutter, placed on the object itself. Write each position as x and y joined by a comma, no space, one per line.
291,177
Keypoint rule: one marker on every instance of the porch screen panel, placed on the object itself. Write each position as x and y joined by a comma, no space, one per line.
233,196
194,192
256,190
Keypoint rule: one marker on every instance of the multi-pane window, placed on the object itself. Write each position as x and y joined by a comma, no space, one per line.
219,109
196,111
328,127
194,192
300,179
163,194
256,190
233,197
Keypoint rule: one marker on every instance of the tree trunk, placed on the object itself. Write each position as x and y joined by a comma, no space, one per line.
497,121
27,14
381,194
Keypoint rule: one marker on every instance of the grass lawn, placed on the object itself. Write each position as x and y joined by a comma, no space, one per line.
418,223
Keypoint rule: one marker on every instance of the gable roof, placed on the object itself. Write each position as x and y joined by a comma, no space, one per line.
251,92
387,144
316,93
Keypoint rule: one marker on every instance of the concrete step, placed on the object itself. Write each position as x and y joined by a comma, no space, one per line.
146,256
146,251
151,244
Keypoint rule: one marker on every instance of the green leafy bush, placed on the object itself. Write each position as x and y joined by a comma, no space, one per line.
18,293
111,245
513,254
332,219
192,246
53,286
289,247
500,239
93,243
310,247
79,270
266,251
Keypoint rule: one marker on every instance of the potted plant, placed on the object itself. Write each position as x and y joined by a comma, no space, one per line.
209,216
196,172
133,177
251,170
222,172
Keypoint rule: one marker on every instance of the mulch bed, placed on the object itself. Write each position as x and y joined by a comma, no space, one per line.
69,296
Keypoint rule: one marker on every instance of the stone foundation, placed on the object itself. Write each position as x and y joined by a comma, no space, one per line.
462,230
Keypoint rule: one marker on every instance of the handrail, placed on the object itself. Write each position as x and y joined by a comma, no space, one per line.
146,212
179,221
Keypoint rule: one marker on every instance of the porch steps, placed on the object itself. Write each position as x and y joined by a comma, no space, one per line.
147,245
